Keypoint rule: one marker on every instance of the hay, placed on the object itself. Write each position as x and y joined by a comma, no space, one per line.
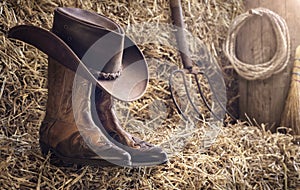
242,157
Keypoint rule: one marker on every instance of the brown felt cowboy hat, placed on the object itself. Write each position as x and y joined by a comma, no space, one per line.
93,46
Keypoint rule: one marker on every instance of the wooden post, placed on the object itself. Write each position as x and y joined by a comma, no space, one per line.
263,100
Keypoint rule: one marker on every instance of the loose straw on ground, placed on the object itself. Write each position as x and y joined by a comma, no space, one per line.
242,157
281,56
291,114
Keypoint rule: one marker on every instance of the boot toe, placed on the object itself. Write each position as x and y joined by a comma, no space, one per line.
115,156
146,155
151,157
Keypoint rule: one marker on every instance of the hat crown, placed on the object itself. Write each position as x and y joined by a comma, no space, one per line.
94,38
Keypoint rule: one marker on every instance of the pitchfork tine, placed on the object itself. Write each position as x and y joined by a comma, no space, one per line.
187,93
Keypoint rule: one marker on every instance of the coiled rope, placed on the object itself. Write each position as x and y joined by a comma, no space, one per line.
281,57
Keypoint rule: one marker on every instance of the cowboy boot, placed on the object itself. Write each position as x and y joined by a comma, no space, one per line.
142,153
74,140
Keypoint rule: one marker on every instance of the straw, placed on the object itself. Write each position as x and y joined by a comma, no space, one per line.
242,157
291,113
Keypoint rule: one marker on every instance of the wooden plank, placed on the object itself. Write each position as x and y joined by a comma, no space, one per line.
277,85
264,99
242,47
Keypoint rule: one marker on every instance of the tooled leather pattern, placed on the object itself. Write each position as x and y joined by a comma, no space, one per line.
75,146
59,130
111,123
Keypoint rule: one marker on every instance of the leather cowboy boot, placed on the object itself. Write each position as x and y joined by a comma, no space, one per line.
142,153
97,49
72,140
79,141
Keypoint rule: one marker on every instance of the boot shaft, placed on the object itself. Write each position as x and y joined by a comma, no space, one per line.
60,84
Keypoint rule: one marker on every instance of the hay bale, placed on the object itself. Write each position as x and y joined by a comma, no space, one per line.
242,157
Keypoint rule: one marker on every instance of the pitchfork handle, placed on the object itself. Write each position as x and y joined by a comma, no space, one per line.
177,17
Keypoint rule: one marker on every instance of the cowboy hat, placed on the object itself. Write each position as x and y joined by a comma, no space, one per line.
93,46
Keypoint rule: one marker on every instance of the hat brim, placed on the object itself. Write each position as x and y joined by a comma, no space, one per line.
129,86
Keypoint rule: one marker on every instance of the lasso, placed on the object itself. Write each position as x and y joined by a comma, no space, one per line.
281,57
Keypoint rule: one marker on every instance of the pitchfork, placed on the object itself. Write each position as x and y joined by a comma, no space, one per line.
188,65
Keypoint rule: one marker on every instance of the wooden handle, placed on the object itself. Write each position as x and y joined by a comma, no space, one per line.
297,54
296,67
177,17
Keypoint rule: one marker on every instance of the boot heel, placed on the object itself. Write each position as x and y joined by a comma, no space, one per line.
44,148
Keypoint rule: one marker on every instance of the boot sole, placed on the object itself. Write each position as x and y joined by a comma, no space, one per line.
140,164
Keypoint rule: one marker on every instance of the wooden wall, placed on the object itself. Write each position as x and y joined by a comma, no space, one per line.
256,43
